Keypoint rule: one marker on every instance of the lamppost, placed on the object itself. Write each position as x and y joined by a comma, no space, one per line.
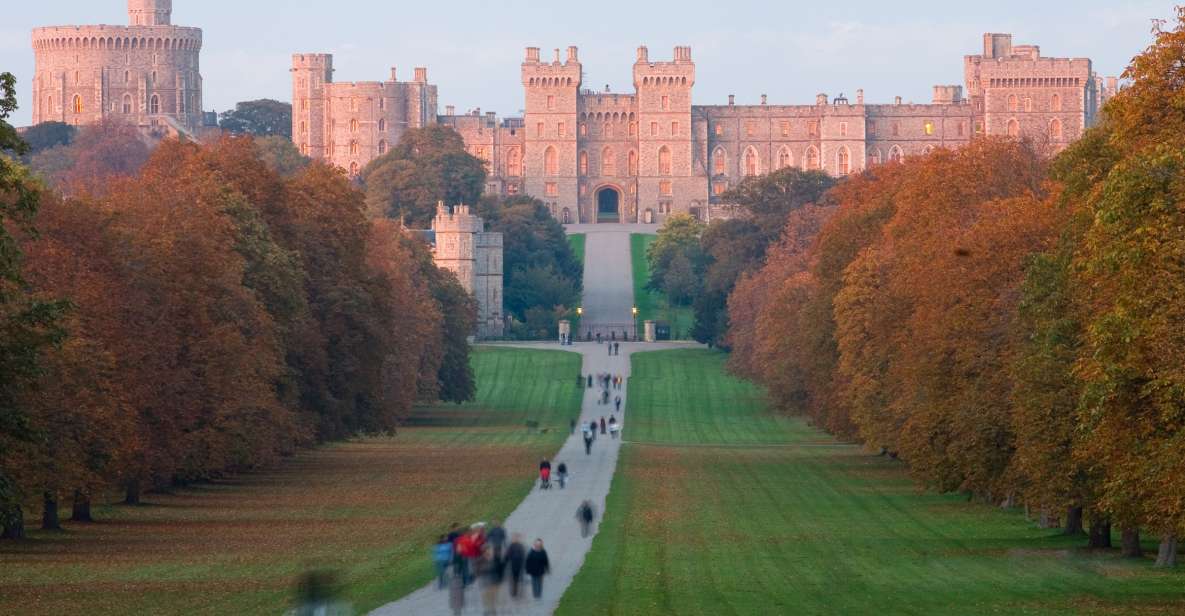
579,315
635,311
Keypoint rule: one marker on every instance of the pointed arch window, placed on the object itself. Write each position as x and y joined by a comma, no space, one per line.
583,162
77,104
608,162
513,163
154,104
1055,103
127,104
896,155
1013,128
719,162
1055,129
664,161
353,126
382,126
751,163
550,162
354,169
1013,103
382,147
784,158
353,148
812,158
874,157
843,161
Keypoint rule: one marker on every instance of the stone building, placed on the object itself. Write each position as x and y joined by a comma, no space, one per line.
638,157
463,246
351,123
146,73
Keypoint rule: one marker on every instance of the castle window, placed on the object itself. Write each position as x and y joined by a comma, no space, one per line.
382,126
539,129
785,129
664,161
382,103
304,149
751,162
784,159
127,76
353,169
154,104
664,188
154,77
561,129
1013,128
127,103
382,147
1013,104
353,148
814,128
353,126
674,128
49,103
608,162
843,161
304,104
550,103
607,130
719,130
719,162
513,163
77,76
1055,103
812,158
896,155
550,189
843,129
654,129
749,129
181,103
874,157
1055,129
304,128
632,165
584,130
666,103
872,129
550,161
719,187
1028,104
634,189
584,163
480,153
633,129
928,127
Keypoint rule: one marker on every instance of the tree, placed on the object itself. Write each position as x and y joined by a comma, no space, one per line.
101,152
430,165
679,235
48,135
262,118
281,155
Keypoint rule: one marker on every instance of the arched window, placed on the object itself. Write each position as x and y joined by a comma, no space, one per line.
304,128
353,169
928,127
127,103
304,149
583,161
154,104
719,162
812,158
896,155
513,163
49,103
1013,128
550,165
77,104
784,158
382,147
632,165
608,130
664,161
353,147
353,126
1055,103
1013,103
751,163
1055,129
874,157
608,162
382,126
843,162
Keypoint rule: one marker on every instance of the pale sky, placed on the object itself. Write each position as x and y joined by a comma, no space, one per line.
789,50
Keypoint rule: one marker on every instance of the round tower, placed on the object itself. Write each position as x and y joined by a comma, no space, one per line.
150,12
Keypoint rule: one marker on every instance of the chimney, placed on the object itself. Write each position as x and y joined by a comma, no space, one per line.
821,99
557,55
643,54
450,110
860,96
897,100
393,77
732,99
763,99
572,54
533,54
421,74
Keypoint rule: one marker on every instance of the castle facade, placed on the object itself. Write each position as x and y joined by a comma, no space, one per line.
147,73
639,157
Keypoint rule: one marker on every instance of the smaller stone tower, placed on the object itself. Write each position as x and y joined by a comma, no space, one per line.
150,12
464,248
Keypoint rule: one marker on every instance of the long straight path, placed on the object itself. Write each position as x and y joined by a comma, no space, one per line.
550,515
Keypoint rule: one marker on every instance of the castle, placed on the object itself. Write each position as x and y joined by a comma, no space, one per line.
464,247
639,157
146,73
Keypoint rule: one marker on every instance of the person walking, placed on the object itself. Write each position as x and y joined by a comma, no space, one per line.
489,571
516,555
602,425
613,427
562,473
496,537
573,427
588,441
617,403
442,556
545,475
617,348
584,514
537,565
590,381
456,594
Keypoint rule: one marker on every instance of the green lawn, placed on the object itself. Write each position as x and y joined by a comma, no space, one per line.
577,241
719,508
652,305
367,509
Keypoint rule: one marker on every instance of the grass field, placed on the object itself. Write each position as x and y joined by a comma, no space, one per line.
577,241
653,306
367,509
719,508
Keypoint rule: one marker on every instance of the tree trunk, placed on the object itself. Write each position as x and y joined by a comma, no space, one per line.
14,523
1073,521
49,512
82,507
1131,543
1100,533
1167,557
132,497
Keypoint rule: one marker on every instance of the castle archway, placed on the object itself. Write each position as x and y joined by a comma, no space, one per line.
608,205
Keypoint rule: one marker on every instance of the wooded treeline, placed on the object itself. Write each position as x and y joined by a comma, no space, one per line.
1010,325
197,313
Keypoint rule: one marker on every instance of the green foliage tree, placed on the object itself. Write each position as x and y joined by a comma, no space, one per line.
48,135
262,118
281,155
430,165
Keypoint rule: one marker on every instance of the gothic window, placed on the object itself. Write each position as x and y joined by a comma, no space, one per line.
812,158
551,189
1013,104
181,103
633,163
751,163
382,126
584,163
562,130
633,129
513,163
78,103
480,153
382,147
304,149
928,128
784,158
814,128
1055,129
607,130
843,162
77,77
674,128
49,103
353,126
896,155
874,157
353,148
550,103
127,76
719,162
1055,103
154,104
1013,128
550,162
382,103
664,188
608,162
354,169
664,161
666,103
719,130
539,129
127,103
304,104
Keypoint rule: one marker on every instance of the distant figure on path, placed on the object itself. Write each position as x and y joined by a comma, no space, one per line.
602,425
442,556
562,473
545,475
573,427
489,570
588,441
496,537
537,566
456,594
613,427
610,349
516,555
617,348
617,402
584,514
590,381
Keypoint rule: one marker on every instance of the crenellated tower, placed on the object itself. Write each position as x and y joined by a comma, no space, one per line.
310,73
150,12
666,158
552,102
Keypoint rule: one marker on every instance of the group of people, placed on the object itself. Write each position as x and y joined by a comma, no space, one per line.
614,348
589,431
608,383
545,475
484,556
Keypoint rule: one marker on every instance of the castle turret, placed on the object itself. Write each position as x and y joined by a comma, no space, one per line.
666,157
310,73
475,257
552,101
150,12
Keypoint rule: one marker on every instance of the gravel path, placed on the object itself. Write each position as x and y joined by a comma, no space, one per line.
551,514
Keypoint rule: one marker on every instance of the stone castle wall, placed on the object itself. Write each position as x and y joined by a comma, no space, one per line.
147,73
463,247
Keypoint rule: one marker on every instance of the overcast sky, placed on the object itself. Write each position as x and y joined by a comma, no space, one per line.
788,50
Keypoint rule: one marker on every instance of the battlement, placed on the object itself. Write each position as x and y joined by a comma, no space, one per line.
122,38
150,12
457,219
